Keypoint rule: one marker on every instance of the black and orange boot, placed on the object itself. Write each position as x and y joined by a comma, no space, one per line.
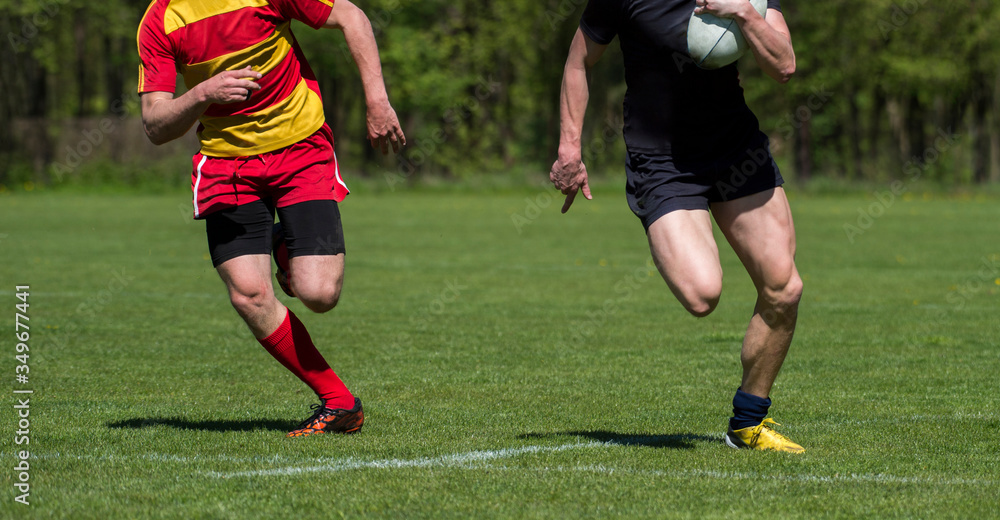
331,420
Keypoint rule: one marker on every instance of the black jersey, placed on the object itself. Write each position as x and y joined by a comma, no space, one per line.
671,106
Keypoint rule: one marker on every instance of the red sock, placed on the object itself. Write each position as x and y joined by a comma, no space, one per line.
293,348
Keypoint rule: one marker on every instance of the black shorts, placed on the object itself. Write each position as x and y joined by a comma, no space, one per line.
311,228
657,184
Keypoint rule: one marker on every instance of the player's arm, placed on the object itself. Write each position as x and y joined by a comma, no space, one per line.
165,118
568,173
769,37
383,125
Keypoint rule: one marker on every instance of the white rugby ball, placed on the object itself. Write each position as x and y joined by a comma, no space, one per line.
715,42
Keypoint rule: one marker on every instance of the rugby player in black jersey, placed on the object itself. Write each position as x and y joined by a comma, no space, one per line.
696,153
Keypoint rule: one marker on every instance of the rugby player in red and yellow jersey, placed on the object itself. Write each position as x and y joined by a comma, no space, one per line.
265,148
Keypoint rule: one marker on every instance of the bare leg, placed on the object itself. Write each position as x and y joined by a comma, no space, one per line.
248,280
760,229
687,257
317,280
278,330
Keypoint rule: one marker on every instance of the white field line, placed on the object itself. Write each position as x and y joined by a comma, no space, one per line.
480,460
466,459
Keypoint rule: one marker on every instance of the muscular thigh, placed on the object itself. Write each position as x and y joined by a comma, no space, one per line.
687,257
247,276
759,227
315,270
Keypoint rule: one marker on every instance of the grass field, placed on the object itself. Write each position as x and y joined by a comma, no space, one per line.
528,367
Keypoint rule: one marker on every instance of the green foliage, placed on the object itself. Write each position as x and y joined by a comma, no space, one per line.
476,84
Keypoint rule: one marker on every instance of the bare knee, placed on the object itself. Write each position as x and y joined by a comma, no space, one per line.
702,298
250,301
319,299
784,299
316,280
701,308
323,303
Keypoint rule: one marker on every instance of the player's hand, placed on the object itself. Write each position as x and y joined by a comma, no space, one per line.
384,129
569,175
723,8
231,86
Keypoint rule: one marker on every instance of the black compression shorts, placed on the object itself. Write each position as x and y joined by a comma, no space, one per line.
311,228
658,184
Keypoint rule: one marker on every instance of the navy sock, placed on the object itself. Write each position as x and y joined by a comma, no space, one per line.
748,410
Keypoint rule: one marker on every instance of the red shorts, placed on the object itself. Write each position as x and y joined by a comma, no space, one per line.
306,170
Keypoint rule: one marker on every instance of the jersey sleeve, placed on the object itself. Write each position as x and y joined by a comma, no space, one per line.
601,20
157,61
313,13
774,4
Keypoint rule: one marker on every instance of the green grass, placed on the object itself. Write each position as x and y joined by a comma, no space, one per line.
540,374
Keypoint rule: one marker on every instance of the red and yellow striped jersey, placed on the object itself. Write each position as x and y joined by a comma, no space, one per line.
201,38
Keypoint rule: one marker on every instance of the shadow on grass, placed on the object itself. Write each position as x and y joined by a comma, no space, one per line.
677,441
213,426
